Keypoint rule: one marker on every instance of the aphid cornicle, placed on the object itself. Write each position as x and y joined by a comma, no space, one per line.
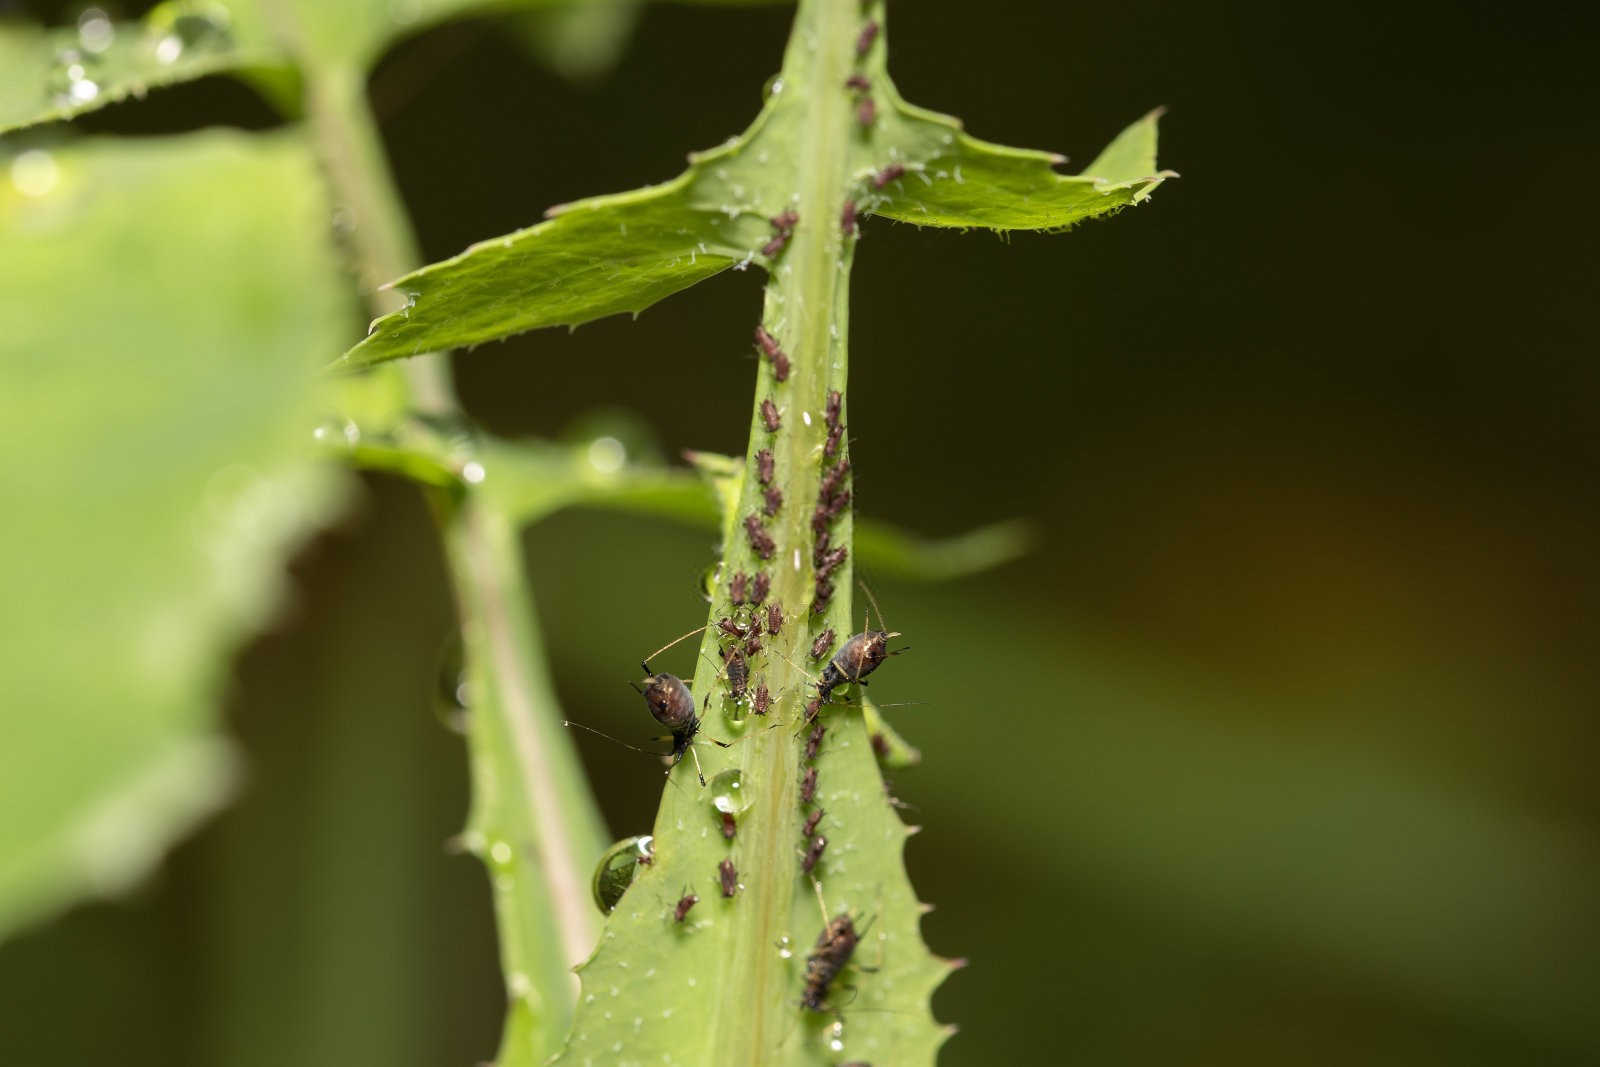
685,902
832,953
729,876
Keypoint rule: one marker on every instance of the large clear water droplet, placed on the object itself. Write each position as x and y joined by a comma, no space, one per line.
710,578
616,869
727,793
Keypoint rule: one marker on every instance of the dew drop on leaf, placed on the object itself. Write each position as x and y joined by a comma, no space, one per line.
614,873
727,792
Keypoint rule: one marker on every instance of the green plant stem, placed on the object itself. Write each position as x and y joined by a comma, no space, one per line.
534,821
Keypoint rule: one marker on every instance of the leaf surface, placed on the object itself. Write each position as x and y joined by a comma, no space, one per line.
161,468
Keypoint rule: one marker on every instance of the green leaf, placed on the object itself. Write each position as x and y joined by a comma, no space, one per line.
622,253
59,73
952,179
158,420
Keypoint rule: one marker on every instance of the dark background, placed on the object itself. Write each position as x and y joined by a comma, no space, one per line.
1278,749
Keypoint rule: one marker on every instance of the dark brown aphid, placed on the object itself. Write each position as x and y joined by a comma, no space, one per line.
812,707
831,955
780,368
838,503
774,499
785,220
729,825
759,587
769,415
752,647
754,625
866,112
857,657
831,562
764,466
835,406
814,742
731,628
737,586
847,218
762,700
808,786
820,646
775,244
888,174
738,672
831,445
833,478
760,541
811,822
869,33
819,602
857,83
774,617
729,876
820,518
814,853
880,746
766,342
820,548
685,902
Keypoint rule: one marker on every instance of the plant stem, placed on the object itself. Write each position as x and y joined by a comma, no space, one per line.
532,814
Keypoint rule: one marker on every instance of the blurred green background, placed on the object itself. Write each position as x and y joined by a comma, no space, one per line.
1279,748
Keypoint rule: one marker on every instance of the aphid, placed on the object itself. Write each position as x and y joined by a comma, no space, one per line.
760,541
835,405
780,368
685,902
766,342
774,617
808,785
731,628
738,672
769,344
764,466
775,244
888,174
857,83
729,825
820,646
819,549
857,657
832,561
752,647
785,220
866,112
838,503
880,746
769,415
831,445
810,826
832,953
814,853
847,218
774,499
736,587
672,705
819,602
833,478
869,33
812,707
814,742
762,700
729,875
759,587
755,622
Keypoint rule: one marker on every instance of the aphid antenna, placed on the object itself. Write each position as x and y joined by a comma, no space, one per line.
624,744
645,663
874,600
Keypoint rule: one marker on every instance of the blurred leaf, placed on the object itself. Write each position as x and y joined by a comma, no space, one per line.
952,179
168,470
59,73
581,40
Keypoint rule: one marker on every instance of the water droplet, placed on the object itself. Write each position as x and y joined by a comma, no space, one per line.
607,455
82,90
710,578
34,172
95,30
500,852
727,792
784,951
179,28
805,417
614,873
169,48
472,472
